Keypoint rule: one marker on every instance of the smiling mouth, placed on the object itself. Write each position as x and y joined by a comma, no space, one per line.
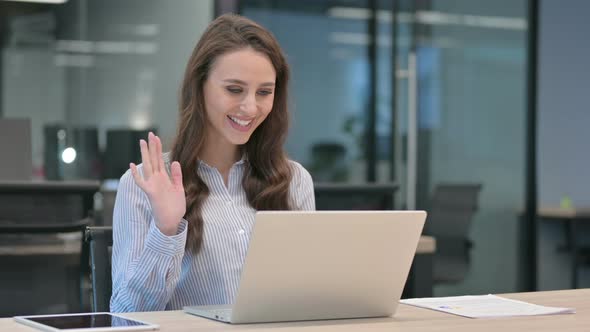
242,123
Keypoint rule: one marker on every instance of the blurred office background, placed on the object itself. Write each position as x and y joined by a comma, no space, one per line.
423,94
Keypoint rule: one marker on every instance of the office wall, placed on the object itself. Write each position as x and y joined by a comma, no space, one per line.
476,127
138,89
32,87
118,88
479,135
487,109
564,111
326,87
564,116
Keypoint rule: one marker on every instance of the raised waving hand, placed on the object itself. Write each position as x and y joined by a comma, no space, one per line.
165,192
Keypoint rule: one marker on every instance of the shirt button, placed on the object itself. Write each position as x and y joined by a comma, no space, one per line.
228,203
241,232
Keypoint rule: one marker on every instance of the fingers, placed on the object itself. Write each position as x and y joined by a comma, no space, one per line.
153,150
160,154
136,176
145,159
176,174
151,156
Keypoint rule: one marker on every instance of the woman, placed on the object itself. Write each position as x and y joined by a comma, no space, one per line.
182,220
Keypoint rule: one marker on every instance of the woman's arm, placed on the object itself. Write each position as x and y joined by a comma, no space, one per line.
146,264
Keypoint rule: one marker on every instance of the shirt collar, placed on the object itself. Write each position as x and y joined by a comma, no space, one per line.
237,163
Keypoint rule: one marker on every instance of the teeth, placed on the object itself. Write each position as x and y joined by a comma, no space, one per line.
240,122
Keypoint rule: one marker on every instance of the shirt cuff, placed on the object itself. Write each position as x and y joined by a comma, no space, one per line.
164,244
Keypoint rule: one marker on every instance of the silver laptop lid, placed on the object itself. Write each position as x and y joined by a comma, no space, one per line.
326,264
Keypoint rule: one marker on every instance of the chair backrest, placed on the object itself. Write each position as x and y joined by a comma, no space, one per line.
100,242
56,261
449,219
366,196
121,147
451,209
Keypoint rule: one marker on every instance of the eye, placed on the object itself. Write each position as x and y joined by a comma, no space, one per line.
265,92
234,89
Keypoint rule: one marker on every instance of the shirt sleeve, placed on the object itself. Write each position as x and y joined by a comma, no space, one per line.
146,264
301,189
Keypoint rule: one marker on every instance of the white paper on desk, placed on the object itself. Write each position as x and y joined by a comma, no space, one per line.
485,306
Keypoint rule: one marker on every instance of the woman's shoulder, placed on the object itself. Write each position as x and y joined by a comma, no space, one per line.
296,166
299,172
301,188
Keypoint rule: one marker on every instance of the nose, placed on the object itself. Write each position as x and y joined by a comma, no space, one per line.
248,104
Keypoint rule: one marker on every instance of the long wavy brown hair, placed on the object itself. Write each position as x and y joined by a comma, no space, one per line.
267,173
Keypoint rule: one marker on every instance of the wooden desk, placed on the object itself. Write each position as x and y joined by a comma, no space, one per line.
571,217
407,319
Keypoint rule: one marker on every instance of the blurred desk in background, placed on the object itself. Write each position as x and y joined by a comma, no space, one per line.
426,245
41,225
420,281
582,213
571,219
35,200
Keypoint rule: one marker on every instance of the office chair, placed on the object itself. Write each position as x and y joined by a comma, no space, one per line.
449,218
99,242
41,234
121,148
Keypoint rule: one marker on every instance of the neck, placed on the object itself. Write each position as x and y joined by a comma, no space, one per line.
220,155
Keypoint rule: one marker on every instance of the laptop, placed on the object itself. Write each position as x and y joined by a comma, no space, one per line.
316,265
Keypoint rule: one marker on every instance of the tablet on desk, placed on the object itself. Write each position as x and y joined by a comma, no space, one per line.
85,322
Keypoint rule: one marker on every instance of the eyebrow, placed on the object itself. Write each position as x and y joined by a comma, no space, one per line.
236,81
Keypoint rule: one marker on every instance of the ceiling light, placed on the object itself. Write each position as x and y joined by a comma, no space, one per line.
68,155
41,1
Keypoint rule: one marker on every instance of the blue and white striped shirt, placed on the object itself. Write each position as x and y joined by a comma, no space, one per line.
152,271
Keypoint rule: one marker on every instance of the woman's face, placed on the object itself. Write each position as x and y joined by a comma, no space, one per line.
239,94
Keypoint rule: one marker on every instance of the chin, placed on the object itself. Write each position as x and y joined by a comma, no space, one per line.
240,140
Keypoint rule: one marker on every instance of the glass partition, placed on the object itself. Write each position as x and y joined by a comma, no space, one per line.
450,109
